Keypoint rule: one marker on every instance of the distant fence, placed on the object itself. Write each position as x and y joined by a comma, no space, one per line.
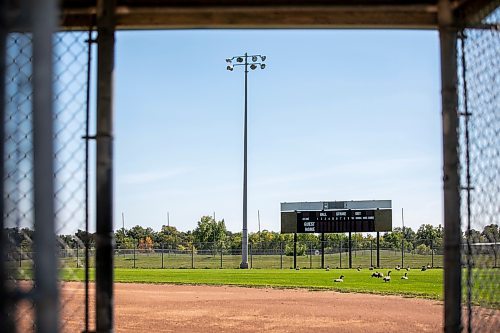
277,255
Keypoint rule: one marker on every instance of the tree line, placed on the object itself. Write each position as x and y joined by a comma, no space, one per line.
210,233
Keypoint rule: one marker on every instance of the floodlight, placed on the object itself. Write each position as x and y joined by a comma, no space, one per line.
239,59
228,61
262,66
254,58
263,58
229,68
253,66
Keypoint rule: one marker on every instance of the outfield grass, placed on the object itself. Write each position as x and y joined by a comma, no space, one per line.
428,284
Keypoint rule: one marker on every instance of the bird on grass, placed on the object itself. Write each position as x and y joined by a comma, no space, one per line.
327,268
377,275
398,268
408,268
404,277
371,268
297,268
340,279
388,277
424,268
359,268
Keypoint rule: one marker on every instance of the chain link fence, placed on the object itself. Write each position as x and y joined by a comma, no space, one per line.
479,102
276,255
70,101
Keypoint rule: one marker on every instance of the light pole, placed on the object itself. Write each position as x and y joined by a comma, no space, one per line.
256,61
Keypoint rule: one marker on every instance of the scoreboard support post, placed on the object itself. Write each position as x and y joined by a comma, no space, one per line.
350,251
323,250
295,250
378,249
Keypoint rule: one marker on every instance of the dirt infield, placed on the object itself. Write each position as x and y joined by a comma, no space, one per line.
174,308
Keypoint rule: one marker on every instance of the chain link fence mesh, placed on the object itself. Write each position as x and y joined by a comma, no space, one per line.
70,85
479,102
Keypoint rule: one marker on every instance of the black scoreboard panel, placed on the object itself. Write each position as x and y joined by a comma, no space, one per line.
337,221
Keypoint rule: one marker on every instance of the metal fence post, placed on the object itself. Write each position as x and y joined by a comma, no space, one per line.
294,250
104,165
340,253
162,250
451,177
77,265
402,253
371,253
46,303
134,246
310,255
192,255
251,255
432,254
350,251
5,304
322,250
378,249
221,250
281,255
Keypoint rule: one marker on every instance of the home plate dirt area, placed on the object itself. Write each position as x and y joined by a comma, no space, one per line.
185,308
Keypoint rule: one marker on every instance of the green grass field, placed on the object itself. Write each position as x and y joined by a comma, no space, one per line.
426,284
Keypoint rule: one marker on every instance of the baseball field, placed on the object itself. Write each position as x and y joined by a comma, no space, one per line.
257,300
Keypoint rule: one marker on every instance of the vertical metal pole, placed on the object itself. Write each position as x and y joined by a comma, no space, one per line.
44,14
5,319
295,250
281,255
251,256
340,253
322,250
432,255
162,249
86,241
378,249
21,256
451,177
77,265
192,256
350,251
104,165
6,302
310,255
244,241
221,255
402,253
371,253
134,252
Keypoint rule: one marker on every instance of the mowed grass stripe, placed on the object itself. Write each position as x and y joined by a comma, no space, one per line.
428,284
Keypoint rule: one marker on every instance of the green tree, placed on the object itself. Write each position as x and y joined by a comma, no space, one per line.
209,231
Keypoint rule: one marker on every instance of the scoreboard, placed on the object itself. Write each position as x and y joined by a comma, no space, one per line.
336,221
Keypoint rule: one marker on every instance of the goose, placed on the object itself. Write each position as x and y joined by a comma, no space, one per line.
428,266
408,268
327,268
398,268
371,268
377,275
297,268
340,279
424,268
404,277
388,277
359,268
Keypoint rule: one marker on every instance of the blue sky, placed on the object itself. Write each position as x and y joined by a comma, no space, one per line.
336,115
